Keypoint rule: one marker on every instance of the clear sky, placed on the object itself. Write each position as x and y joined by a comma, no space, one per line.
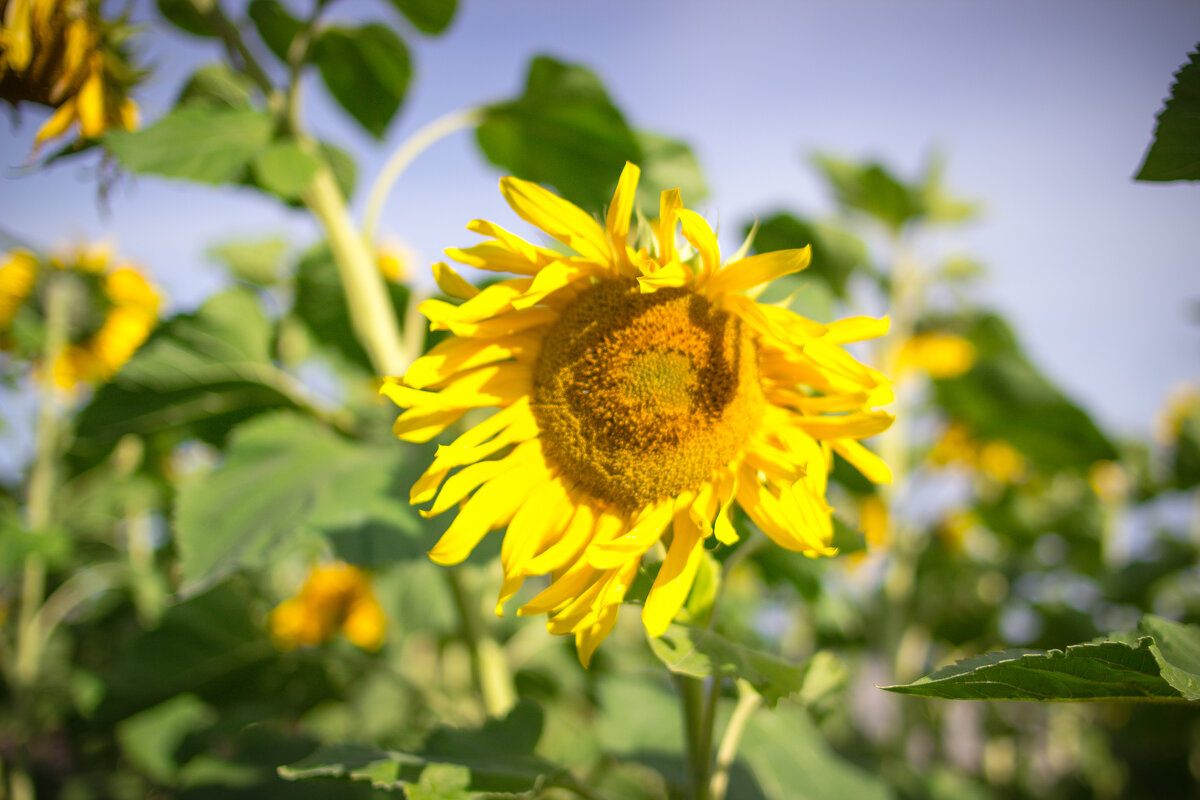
1043,111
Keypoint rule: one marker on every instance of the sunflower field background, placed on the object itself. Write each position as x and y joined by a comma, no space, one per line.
212,581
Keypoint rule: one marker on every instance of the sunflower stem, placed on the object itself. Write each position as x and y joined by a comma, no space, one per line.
405,154
489,667
748,702
40,500
697,729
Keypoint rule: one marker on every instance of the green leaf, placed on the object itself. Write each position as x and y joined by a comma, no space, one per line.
790,760
282,474
836,254
563,131
1104,671
667,164
440,782
149,739
183,15
1005,397
320,302
499,757
344,170
197,376
196,142
1174,154
217,85
702,654
367,71
258,262
1176,648
275,25
429,16
872,189
285,169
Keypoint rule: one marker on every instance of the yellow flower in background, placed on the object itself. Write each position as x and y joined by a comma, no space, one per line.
1182,402
335,597
394,261
641,394
61,54
940,355
996,459
113,309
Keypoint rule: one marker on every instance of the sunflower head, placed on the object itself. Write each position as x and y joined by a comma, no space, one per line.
335,597
112,309
640,396
63,54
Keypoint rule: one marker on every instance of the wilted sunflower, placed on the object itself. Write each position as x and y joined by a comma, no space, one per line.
112,309
62,54
640,396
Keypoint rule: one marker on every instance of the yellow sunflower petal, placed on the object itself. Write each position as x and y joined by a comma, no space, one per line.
451,283
701,237
754,270
675,576
668,210
491,507
617,221
563,220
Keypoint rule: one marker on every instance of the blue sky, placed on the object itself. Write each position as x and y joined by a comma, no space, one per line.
1043,111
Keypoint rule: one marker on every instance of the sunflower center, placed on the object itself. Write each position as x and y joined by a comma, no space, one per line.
641,396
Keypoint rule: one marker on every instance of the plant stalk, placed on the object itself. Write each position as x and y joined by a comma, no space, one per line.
489,668
748,701
697,728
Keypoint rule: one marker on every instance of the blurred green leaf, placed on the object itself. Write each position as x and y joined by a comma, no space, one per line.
1005,397
428,16
871,188
281,474
667,164
836,253
703,654
1096,671
217,85
183,15
367,70
499,756
149,739
196,142
1174,154
1185,451
285,169
275,25
440,782
345,172
790,760
320,302
258,262
1176,648
197,376
564,131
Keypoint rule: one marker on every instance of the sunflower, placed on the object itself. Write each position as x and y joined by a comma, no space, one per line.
113,309
640,396
334,597
62,54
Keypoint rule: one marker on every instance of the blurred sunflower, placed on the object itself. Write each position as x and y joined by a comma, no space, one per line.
112,308
62,54
334,597
641,395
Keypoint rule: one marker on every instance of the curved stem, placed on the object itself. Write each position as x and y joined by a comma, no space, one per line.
489,666
404,155
748,701
73,591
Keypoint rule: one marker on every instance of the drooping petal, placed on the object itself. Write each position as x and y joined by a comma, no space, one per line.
561,219
754,270
675,576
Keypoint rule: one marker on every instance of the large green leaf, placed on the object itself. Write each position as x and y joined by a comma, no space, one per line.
184,15
197,142
275,25
789,760
703,654
217,85
282,475
499,757
367,70
285,169
668,164
836,253
1160,667
320,302
1174,155
197,376
1004,396
563,131
429,16
1176,648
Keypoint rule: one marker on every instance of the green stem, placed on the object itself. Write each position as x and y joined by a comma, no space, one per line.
748,701
489,667
41,484
239,54
404,155
697,728
371,311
